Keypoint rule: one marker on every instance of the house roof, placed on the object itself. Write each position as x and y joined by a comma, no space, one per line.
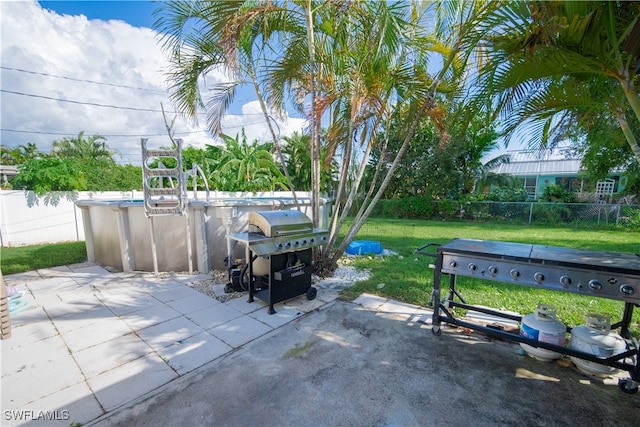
540,162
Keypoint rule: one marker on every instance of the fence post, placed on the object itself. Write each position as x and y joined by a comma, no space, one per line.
530,211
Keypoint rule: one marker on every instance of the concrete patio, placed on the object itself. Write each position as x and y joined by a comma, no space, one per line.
120,349
92,341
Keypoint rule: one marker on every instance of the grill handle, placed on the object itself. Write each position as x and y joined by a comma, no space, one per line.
292,231
421,249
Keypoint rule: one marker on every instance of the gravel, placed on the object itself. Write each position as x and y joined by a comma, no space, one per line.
344,276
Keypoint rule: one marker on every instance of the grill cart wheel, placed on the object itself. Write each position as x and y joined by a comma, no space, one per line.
436,331
628,386
311,293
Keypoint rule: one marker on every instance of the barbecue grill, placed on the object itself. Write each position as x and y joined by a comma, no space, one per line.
610,275
278,255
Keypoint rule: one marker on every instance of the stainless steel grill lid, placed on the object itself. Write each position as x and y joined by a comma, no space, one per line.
280,223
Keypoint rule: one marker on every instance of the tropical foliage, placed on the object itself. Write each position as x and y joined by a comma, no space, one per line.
75,164
554,66
244,166
19,154
450,168
297,157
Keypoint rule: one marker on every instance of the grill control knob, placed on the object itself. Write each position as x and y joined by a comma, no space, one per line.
514,273
493,270
627,289
538,277
596,285
472,267
279,246
453,264
311,241
565,281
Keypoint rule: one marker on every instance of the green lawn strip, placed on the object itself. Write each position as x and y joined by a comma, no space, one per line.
407,276
28,258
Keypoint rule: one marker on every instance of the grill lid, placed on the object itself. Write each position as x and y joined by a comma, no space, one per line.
280,223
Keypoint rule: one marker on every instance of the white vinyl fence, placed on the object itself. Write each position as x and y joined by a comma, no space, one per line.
30,220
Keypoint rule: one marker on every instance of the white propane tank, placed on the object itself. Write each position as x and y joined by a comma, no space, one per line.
542,326
595,337
261,266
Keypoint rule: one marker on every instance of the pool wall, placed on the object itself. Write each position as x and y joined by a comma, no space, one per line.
118,234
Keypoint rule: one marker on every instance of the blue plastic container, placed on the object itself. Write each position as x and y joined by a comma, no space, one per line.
364,247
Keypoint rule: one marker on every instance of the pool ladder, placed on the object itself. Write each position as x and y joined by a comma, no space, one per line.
164,201
164,188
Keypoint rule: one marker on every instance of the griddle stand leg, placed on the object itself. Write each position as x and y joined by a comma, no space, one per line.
435,296
626,321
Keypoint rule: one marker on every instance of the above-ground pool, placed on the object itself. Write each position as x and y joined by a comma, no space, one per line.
118,233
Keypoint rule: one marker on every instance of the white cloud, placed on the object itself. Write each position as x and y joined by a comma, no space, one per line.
41,41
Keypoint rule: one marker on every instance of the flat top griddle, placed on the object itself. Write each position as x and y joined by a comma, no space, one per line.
619,262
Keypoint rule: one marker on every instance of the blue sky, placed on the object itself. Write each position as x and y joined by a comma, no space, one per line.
136,13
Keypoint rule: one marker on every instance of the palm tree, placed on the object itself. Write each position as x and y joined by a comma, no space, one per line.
20,154
227,35
557,65
81,148
357,63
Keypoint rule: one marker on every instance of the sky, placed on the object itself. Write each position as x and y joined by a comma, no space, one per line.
97,67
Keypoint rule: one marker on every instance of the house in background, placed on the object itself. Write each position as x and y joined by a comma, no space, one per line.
538,169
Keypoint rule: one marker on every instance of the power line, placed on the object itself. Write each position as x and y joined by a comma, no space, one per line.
105,135
81,80
35,132
94,104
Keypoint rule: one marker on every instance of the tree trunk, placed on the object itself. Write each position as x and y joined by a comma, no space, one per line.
359,222
315,134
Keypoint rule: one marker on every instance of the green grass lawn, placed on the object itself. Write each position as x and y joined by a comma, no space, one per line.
407,277
28,258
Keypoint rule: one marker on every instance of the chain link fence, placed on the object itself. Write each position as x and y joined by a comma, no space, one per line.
579,215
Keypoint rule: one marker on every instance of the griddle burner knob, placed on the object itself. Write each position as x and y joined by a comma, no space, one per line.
279,246
493,270
472,267
538,277
453,264
627,289
565,281
596,285
514,273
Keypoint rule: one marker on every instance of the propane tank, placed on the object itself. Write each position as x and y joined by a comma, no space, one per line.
542,326
261,266
595,337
